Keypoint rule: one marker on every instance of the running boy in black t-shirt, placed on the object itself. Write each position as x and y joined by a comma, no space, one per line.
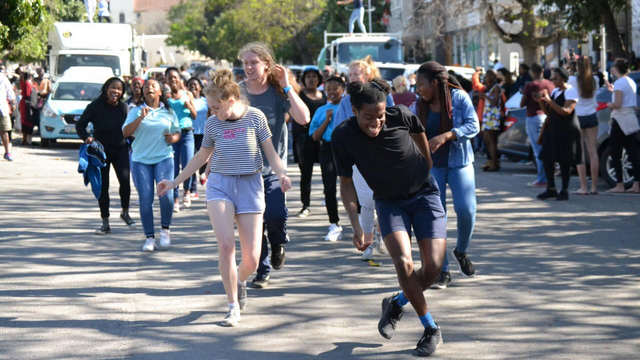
390,149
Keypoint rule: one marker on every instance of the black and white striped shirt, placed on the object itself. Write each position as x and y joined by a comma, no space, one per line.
237,142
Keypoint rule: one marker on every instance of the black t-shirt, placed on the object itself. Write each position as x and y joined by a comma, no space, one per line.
313,105
107,122
391,163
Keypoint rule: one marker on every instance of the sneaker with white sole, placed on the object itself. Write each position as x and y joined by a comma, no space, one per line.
232,318
149,244
335,233
367,254
165,239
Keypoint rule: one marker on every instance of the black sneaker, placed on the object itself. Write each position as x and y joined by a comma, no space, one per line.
242,296
428,343
260,281
465,265
304,212
563,195
127,219
103,230
391,314
547,194
443,281
277,256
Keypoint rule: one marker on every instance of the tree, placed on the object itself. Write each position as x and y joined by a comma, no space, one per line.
17,17
583,16
518,21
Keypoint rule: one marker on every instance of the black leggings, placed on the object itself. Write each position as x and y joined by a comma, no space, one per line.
119,158
197,142
329,180
618,141
307,151
565,173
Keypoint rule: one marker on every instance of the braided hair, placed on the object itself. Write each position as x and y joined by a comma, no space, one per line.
434,71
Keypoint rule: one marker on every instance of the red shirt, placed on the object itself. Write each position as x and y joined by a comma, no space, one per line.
533,108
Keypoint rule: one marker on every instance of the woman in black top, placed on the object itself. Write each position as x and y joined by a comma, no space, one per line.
560,135
306,149
107,114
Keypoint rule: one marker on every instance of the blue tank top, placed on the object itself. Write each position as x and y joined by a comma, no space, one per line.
182,112
441,156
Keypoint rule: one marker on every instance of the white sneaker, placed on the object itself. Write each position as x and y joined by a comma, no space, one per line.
165,239
335,233
379,244
149,244
368,253
232,318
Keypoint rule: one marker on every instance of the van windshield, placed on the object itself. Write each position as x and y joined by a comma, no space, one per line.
76,91
389,51
69,60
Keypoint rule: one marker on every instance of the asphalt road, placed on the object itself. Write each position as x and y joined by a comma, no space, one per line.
556,280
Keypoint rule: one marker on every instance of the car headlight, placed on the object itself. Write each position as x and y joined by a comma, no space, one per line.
48,112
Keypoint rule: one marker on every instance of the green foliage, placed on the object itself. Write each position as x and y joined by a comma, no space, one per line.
17,18
582,16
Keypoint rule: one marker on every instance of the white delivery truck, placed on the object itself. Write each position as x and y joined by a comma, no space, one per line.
385,50
93,44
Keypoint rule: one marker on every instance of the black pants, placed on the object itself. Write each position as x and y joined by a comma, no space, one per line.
329,180
119,158
197,142
565,173
618,141
307,152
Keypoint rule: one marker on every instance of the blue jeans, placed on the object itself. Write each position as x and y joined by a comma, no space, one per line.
145,177
534,125
462,183
183,152
357,15
275,221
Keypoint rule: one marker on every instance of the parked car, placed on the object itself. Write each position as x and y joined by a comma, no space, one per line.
70,95
514,143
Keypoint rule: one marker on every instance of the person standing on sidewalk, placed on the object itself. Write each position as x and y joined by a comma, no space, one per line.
450,120
7,97
536,117
155,127
268,88
181,101
202,113
307,149
107,114
587,116
389,147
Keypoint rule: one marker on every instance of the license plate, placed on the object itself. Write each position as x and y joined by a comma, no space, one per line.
70,129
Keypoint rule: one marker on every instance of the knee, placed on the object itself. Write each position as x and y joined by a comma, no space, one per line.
251,262
404,266
226,246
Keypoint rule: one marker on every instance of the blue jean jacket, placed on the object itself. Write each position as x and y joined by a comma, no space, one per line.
465,126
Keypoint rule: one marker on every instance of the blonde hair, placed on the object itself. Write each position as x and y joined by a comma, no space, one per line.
222,86
400,84
367,66
265,54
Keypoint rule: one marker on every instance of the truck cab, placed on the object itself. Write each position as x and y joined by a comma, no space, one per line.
385,50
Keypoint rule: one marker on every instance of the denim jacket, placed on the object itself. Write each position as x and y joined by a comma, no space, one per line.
465,126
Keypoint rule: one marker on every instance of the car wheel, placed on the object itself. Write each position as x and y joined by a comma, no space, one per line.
607,171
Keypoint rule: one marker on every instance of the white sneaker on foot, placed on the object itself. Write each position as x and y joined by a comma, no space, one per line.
335,233
368,253
165,239
232,318
149,244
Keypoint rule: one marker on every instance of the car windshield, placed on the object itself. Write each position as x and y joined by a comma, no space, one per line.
76,91
67,61
390,51
390,73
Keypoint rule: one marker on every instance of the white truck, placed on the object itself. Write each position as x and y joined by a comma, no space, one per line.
385,50
93,44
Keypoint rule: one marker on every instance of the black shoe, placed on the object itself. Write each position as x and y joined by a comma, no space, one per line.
277,256
563,195
548,194
428,343
465,265
260,281
103,230
242,296
443,281
391,314
304,212
127,219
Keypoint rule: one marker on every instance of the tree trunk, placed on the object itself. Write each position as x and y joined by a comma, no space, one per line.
530,52
617,44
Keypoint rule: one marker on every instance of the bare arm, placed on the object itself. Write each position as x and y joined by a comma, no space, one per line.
172,138
617,100
130,128
344,2
198,160
350,202
317,135
423,145
298,110
190,106
565,110
276,164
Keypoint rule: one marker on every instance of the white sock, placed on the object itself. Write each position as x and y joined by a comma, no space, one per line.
233,306
242,283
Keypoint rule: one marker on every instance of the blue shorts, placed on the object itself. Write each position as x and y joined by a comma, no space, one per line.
245,192
423,212
588,121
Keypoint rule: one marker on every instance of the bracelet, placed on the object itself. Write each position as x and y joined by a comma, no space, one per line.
286,89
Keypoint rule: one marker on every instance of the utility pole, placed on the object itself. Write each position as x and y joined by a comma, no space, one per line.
369,11
603,50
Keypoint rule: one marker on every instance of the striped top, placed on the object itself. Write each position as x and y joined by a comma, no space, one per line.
237,142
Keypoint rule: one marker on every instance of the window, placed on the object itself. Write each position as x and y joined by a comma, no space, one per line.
76,91
67,61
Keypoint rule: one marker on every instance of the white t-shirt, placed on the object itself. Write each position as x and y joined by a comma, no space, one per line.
569,94
586,106
628,88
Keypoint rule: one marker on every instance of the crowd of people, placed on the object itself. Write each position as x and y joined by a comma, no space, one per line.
394,150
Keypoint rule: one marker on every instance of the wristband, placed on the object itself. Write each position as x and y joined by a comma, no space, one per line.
286,89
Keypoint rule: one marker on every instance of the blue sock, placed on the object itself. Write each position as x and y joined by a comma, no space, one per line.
400,299
427,321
